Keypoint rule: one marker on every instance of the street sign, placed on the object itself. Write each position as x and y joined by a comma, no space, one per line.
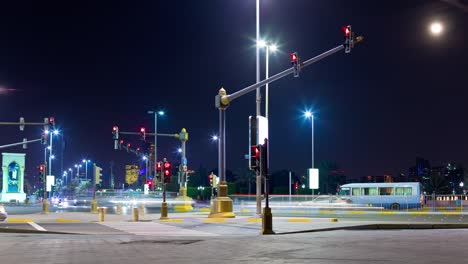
50,180
313,179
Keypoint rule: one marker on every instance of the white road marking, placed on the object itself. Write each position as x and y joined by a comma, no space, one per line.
38,227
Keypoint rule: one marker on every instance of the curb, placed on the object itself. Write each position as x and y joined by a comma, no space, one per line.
28,231
383,227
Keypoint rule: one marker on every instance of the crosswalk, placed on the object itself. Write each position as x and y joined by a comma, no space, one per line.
154,229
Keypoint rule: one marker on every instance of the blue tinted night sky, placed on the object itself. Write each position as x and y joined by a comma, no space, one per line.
92,64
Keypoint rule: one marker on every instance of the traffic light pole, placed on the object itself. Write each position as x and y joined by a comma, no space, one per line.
222,205
19,143
186,204
45,202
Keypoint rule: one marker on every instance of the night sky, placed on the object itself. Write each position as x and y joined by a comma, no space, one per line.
400,94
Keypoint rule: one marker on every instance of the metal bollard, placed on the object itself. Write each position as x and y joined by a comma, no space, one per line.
135,214
142,210
119,209
101,211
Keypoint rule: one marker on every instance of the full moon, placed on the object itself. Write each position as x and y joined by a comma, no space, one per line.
436,28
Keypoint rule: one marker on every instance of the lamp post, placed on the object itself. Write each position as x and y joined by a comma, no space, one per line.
269,48
156,113
55,132
145,158
308,114
86,167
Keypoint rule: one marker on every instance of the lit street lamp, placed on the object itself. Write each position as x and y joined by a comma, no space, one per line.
55,132
308,114
156,113
86,167
268,48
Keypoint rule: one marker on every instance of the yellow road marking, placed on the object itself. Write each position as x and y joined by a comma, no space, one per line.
299,220
214,220
297,211
419,213
387,213
326,212
19,220
205,210
451,213
254,220
356,212
172,221
63,220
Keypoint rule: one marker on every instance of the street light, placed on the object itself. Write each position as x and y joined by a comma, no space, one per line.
86,167
308,114
214,138
145,158
55,132
156,113
269,48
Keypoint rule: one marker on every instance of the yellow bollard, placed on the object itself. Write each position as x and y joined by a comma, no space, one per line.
142,210
101,211
119,209
163,211
45,206
135,214
94,206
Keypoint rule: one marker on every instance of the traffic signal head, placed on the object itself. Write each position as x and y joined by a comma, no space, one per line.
52,121
296,63
254,157
115,132
143,133
41,172
296,186
167,168
158,167
210,179
150,183
97,174
348,35
43,139
167,171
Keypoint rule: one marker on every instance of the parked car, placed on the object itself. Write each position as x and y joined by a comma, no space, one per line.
3,213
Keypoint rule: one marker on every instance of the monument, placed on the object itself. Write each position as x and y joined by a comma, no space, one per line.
13,177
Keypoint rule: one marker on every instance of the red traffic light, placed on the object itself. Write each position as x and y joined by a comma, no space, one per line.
255,152
167,169
114,128
41,168
142,130
296,185
158,167
293,57
210,178
347,31
129,145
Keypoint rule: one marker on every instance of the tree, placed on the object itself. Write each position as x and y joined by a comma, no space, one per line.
244,177
438,184
330,177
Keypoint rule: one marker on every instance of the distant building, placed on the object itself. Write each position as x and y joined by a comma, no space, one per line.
378,178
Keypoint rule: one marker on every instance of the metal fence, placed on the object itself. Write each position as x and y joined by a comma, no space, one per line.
446,202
